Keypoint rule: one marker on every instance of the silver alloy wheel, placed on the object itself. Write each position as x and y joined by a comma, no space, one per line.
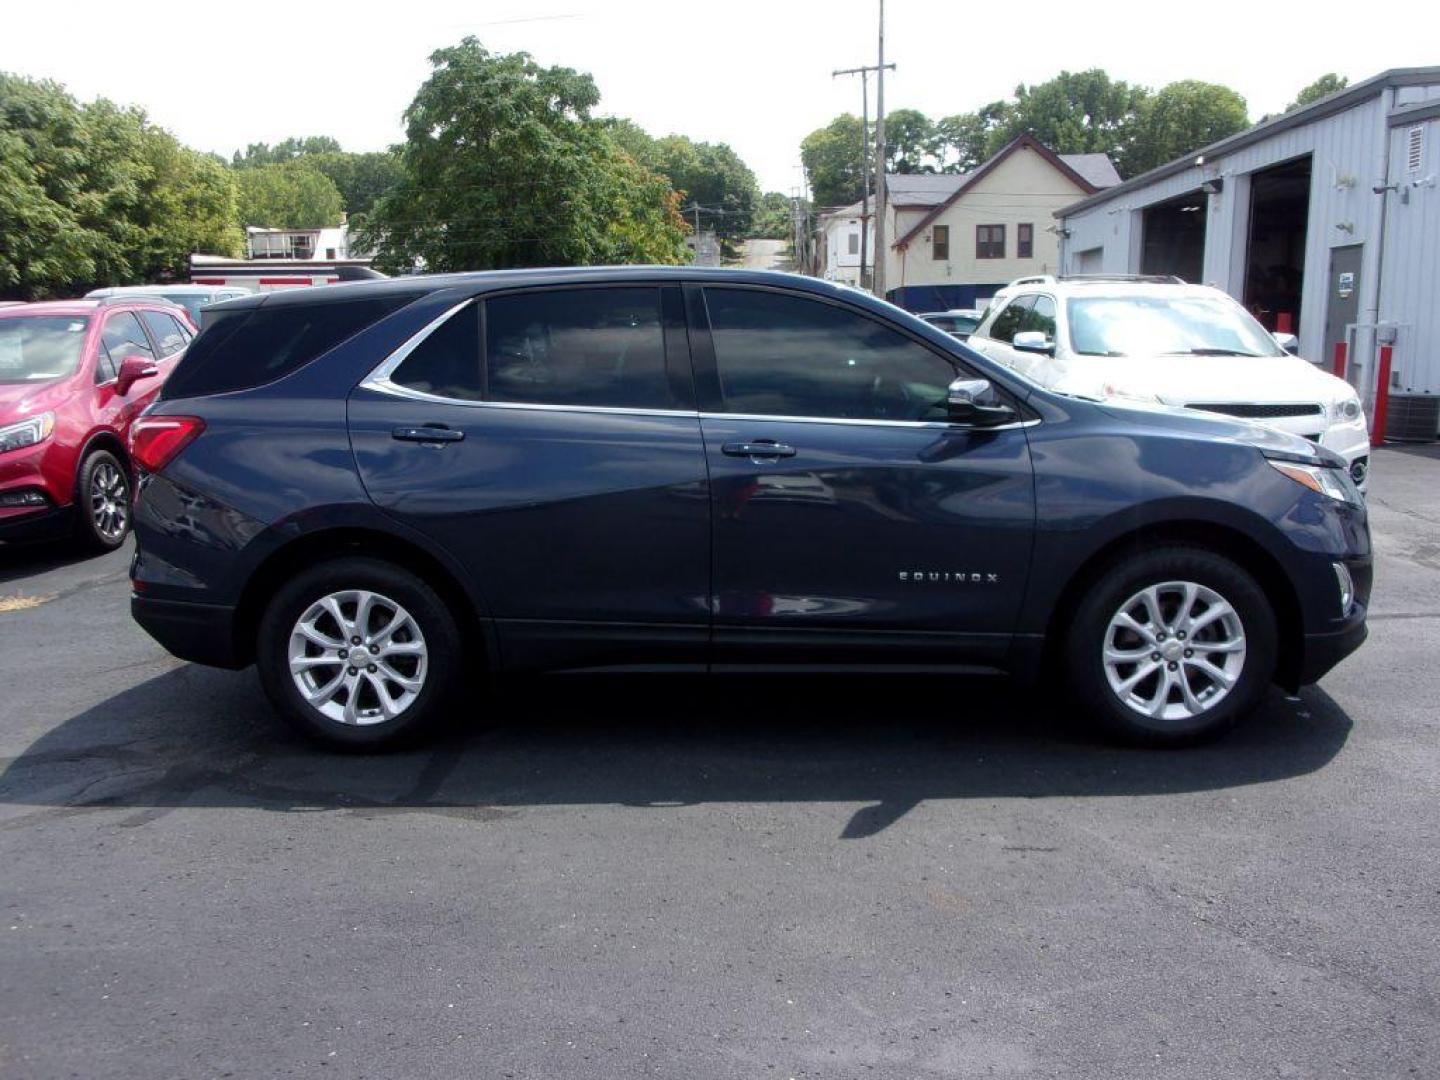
1174,650
109,500
358,657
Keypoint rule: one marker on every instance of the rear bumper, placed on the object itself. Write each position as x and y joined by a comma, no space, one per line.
200,633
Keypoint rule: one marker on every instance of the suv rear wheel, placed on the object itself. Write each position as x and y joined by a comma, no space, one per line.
102,496
358,653
1171,647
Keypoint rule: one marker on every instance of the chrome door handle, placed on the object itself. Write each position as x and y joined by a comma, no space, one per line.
760,448
427,434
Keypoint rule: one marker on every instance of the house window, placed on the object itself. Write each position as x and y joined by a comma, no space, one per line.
1024,241
854,241
989,241
940,242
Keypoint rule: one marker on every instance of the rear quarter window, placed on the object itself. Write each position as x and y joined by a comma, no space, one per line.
252,346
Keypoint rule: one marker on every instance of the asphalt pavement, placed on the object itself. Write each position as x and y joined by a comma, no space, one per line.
691,878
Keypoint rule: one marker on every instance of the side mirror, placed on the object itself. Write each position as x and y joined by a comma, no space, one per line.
132,369
972,402
1033,341
1289,342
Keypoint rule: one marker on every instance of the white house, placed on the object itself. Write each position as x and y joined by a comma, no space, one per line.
956,238
1324,222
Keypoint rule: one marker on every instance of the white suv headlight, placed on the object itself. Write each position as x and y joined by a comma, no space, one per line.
1346,410
27,432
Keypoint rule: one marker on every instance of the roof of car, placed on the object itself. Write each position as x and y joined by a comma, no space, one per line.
160,290
78,307
479,281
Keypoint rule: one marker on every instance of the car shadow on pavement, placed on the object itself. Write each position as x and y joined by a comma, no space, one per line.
19,561
200,737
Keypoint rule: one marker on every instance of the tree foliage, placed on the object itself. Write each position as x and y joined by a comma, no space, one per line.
257,154
1326,84
831,157
1180,119
95,194
773,218
504,166
1074,113
294,195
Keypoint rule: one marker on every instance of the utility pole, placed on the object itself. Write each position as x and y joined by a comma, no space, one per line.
864,73
878,278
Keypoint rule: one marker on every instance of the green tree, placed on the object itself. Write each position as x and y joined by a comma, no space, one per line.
257,154
1178,120
294,195
1074,113
95,194
909,142
831,156
712,176
504,166
959,143
361,178
1326,84
773,217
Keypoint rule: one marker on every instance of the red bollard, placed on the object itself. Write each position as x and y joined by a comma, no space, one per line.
1382,397
1339,365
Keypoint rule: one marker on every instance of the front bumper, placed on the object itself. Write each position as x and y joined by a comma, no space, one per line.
200,633
1324,651
29,526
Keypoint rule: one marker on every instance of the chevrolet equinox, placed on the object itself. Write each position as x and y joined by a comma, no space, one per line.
382,493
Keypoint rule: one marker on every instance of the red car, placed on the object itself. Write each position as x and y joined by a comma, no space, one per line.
74,374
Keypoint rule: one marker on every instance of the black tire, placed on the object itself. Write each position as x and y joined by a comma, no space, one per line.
439,638
96,528
1083,651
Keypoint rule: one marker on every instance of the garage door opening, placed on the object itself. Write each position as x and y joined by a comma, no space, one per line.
1174,233
1275,257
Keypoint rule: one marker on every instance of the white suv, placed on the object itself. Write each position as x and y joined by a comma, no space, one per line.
1171,343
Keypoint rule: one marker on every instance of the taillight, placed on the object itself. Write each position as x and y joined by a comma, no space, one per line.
155,440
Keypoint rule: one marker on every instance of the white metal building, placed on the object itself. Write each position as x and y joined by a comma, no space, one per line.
1324,221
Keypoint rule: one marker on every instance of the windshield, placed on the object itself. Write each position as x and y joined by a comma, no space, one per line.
40,348
1165,326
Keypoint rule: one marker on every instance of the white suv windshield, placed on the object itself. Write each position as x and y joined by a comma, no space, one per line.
1165,326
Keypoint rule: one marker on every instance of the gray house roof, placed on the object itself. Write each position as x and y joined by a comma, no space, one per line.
1316,110
924,190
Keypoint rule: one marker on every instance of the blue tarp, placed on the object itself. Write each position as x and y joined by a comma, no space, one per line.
941,297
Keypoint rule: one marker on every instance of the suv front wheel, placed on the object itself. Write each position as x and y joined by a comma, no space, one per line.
1172,646
358,653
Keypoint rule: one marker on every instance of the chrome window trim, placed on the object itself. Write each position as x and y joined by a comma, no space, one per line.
379,381
930,424
382,371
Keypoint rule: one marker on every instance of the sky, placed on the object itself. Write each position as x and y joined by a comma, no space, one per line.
756,75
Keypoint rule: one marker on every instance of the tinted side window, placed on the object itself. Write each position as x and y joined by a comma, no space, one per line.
782,355
595,347
1009,321
1041,317
447,363
123,337
249,347
165,330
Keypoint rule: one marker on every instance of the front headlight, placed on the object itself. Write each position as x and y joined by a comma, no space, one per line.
1333,483
27,432
1346,410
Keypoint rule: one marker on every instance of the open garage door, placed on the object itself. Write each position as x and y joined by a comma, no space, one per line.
1174,234
1275,256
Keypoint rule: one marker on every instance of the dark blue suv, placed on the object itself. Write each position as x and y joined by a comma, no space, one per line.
381,494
